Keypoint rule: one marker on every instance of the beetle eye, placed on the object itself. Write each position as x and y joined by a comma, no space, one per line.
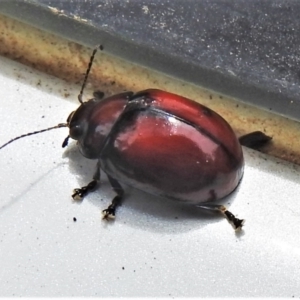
75,132
70,116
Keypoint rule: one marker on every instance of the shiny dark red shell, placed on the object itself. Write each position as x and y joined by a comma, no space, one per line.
163,144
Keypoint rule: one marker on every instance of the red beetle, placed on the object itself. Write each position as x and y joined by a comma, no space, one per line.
161,143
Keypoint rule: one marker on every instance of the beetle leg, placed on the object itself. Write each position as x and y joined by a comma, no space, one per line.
254,139
110,211
79,194
98,95
65,142
236,223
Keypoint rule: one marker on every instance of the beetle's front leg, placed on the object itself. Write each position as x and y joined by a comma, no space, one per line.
79,194
110,212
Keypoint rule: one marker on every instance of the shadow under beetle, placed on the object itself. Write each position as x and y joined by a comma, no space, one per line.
161,143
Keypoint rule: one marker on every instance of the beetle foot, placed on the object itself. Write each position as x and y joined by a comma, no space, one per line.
236,223
109,213
79,194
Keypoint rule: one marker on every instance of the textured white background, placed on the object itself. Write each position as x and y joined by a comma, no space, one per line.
154,247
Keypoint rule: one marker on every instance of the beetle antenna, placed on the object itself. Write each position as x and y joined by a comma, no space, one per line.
34,132
88,72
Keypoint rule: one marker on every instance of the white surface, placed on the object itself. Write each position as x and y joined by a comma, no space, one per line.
165,249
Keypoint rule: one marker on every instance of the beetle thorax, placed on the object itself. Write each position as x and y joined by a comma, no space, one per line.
92,122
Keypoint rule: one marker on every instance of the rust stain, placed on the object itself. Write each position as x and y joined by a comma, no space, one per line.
68,61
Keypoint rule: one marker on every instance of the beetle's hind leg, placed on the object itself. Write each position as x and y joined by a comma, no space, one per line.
110,211
236,223
254,140
80,193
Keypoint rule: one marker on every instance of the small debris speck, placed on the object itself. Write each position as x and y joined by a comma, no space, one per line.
74,219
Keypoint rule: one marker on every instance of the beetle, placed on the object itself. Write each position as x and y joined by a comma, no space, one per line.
161,143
